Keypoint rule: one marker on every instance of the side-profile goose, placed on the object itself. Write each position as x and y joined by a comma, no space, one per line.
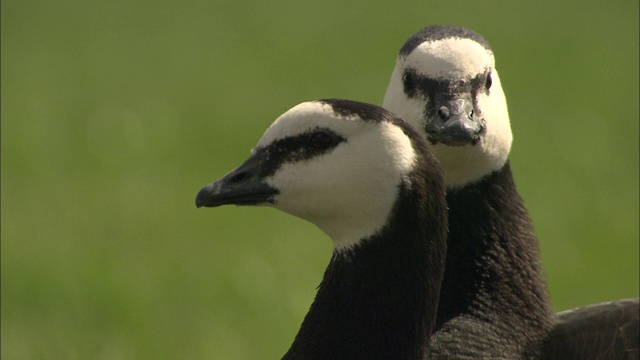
494,301
367,179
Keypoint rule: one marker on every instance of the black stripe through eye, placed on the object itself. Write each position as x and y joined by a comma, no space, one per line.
298,148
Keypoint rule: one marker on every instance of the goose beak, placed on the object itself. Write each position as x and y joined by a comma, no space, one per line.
455,122
243,186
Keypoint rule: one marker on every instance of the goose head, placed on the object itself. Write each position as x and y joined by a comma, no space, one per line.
445,83
336,163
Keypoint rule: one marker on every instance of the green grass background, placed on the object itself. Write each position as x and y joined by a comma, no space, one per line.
115,113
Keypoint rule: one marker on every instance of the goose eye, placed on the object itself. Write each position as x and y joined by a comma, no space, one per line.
321,140
488,83
408,80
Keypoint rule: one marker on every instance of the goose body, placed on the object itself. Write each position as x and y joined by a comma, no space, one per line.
609,330
367,179
494,301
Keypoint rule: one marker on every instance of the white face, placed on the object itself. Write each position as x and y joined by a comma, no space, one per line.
349,191
456,59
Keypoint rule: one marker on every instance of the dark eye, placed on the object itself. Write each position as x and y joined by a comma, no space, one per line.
321,140
488,83
409,81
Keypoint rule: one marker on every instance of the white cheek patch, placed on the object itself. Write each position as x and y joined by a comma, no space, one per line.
450,58
397,143
350,191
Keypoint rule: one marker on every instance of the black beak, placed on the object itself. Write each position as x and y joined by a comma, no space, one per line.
454,121
243,186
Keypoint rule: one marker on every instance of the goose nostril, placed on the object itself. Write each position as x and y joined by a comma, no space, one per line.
443,112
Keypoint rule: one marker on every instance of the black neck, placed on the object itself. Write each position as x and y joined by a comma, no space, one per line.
493,287
378,299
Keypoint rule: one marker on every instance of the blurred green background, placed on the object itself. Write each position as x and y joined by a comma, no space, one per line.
114,114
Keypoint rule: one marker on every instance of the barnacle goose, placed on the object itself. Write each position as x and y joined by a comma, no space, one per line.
367,179
494,301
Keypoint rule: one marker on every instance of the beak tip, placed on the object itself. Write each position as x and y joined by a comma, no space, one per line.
201,198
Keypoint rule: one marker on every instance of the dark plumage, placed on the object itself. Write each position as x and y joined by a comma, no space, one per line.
601,331
493,289
370,296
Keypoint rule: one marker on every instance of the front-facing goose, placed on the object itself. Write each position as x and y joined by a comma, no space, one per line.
494,301
365,178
